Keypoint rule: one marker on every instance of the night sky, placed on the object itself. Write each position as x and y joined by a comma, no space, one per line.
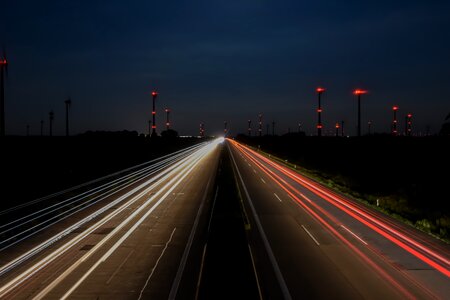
213,61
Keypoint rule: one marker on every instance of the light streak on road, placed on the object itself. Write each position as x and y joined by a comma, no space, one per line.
417,249
86,201
165,170
71,189
166,181
289,189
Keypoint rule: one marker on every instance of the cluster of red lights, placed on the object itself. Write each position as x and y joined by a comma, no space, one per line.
3,62
154,93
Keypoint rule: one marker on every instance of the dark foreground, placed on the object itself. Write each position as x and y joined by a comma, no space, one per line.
38,166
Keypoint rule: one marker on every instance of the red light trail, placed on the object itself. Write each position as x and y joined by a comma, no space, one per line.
367,218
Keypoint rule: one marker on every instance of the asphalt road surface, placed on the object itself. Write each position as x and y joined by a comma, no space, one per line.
136,249
216,221
321,245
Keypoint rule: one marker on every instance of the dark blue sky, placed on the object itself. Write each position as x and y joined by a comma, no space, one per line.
225,60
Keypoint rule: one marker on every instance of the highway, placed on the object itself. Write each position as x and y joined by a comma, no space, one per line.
129,238
169,229
317,244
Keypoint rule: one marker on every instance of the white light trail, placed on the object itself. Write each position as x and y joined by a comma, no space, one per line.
177,172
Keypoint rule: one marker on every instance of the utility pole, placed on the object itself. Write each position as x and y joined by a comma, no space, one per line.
273,128
249,127
337,129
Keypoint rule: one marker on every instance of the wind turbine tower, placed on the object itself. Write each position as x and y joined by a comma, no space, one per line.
154,95
167,118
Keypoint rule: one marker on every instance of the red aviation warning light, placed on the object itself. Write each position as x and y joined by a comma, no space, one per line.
394,120
154,95
359,92
337,129
319,91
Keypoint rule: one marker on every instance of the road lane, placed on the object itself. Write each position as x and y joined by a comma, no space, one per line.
116,258
364,269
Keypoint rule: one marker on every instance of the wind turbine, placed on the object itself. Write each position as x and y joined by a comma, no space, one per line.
3,73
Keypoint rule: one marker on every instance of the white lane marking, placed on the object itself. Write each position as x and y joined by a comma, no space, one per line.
187,249
189,165
305,197
22,277
117,244
212,209
254,171
120,266
263,180
273,260
201,272
311,236
351,232
156,264
256,273
279,199
249,165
